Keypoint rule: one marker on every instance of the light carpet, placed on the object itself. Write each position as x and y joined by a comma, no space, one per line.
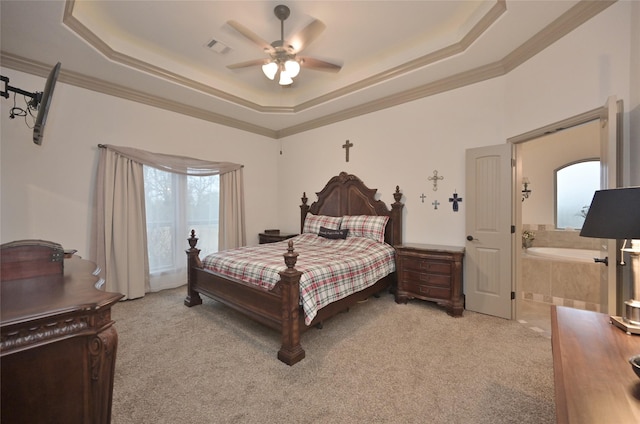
378,363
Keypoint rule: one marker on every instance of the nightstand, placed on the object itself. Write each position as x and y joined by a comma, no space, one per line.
272,237
430,272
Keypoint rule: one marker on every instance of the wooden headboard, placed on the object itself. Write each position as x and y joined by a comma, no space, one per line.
346,194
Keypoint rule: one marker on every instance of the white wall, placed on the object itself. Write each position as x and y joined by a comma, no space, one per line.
47,190
577,74
403,145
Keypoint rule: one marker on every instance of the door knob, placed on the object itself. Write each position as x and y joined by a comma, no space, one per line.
470,238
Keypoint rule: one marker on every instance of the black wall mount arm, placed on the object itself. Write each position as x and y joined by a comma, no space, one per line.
36,96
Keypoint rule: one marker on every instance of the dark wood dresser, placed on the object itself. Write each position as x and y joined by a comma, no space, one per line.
430,272
594,382
58,345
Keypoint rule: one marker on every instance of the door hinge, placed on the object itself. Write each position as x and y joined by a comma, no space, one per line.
513,229
513,295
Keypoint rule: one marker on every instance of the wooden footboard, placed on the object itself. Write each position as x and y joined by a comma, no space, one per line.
278,308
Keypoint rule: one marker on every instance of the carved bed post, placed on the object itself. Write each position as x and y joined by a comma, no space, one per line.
304,208
193,260
291,351
396,215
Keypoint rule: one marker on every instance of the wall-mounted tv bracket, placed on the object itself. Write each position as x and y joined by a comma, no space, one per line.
36,97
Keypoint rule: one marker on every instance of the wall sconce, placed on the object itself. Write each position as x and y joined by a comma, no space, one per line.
525,188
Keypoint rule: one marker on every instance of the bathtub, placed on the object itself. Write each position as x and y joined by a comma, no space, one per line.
563,254
562,276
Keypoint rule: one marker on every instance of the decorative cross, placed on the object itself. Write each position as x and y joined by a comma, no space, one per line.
455,199
346,146
435,179
435,204
422,196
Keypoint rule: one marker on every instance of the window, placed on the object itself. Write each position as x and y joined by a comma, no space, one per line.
575,186
176,204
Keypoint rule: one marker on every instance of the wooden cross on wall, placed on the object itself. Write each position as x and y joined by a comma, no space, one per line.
346,146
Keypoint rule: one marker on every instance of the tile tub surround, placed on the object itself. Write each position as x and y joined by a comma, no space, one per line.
548,236
555,282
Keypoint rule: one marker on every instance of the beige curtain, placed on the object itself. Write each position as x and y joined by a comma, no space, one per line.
232,233
119,236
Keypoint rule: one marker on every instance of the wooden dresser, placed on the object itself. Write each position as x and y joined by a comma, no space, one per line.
430,272
594,382
58,345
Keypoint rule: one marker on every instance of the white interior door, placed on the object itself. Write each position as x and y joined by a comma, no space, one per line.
488,283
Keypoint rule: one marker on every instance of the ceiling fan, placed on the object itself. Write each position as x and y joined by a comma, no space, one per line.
284,60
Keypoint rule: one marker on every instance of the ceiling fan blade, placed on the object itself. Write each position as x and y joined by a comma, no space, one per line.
307,35
319,65
248,63
247,33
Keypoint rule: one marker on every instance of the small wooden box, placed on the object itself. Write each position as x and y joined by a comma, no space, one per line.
272,236
30,258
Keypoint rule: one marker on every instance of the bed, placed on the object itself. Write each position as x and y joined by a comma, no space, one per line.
281,304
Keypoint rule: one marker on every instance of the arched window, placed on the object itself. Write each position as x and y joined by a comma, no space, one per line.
575,185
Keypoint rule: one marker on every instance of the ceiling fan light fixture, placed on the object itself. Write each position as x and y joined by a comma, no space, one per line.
285,78
270,69
283,58
292,67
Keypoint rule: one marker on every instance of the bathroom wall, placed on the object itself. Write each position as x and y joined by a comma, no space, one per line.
540,158
546,235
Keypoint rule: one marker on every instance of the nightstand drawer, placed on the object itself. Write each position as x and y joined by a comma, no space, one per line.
419,264
410,276
428,291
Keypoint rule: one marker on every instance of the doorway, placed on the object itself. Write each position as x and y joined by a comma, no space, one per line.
556,264
538,154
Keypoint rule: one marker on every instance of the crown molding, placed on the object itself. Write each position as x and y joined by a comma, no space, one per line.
570,20
21,64
573,18
487,20
96,42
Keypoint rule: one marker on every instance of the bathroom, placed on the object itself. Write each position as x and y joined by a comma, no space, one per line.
557,265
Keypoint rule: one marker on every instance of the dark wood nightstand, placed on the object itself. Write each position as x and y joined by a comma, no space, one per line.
272,237
431,272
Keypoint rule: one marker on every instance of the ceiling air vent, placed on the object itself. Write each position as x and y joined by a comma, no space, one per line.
217,46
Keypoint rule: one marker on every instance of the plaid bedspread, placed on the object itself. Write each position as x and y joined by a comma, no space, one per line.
331,269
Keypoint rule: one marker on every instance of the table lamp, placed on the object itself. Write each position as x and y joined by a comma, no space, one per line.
615,214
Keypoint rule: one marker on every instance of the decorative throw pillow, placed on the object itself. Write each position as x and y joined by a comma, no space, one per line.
333,234
368,226
312,223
